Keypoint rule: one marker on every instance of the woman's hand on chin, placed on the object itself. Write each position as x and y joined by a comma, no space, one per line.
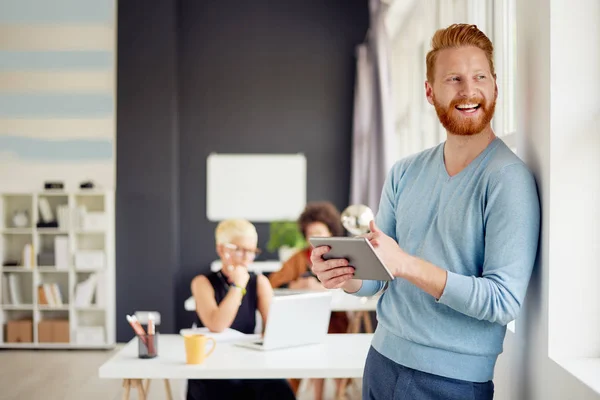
239,276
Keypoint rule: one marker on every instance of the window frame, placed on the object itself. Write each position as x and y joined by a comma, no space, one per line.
503,15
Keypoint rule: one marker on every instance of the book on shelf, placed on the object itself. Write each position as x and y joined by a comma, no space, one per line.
79,217
5,292
49,294
84,291
14,286
63,214
44,296
46,214
61,252
57,295
28,256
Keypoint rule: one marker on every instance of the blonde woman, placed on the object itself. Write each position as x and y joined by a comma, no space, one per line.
230,298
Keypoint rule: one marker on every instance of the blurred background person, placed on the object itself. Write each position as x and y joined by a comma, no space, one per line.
230,298
318,219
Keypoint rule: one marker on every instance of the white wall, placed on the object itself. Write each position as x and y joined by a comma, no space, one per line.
557,101
574,320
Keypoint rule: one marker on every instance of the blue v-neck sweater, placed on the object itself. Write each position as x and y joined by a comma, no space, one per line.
482,226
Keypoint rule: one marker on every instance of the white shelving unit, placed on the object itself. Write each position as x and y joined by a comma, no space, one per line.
89,227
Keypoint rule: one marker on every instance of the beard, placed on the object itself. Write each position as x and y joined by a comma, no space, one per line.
463,125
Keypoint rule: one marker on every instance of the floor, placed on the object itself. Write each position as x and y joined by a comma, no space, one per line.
73,375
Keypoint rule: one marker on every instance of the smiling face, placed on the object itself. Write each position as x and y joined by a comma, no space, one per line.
463,90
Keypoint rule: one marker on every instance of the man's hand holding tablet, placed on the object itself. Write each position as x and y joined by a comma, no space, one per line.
333,273
344,262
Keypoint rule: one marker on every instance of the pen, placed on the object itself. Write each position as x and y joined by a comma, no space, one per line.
151,327
151,332
137,328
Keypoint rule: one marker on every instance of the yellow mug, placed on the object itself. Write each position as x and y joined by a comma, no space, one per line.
195,348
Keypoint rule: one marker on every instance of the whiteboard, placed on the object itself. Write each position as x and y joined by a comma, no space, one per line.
256,187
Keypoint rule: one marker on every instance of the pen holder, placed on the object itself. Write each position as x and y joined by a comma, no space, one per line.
148,346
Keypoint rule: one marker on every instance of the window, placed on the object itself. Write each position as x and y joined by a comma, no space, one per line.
416,123
504,37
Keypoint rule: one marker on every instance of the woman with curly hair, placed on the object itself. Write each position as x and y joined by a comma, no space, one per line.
318,219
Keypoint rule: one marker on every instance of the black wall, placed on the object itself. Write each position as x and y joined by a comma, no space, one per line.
147,195
227,76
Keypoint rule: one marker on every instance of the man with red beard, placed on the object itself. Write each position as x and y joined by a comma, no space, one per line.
458,226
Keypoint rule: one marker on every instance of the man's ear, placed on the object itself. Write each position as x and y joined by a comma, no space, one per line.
429,92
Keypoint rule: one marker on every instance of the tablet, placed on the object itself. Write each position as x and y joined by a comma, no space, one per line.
360,254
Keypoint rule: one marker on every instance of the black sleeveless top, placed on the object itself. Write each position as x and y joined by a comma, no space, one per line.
245,320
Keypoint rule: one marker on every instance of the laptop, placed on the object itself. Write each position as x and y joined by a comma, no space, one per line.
295,320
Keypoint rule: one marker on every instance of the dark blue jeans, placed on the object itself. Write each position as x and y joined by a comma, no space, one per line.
385,379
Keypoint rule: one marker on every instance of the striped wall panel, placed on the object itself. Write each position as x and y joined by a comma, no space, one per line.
58,128
45,81
57,81
56,60
99,12
52,150
17,37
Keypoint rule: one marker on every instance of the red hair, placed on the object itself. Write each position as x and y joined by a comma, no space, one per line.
458,35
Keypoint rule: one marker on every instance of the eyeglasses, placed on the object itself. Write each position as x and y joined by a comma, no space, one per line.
242,252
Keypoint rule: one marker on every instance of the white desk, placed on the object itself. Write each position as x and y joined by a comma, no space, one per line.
258,267
340,301
338,356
